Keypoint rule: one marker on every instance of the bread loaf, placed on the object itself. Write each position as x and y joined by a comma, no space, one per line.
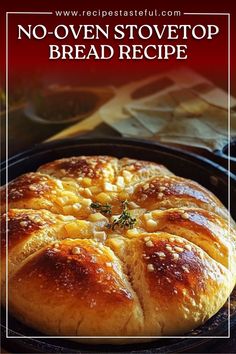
100,246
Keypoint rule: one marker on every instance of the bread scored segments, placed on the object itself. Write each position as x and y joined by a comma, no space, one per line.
71,274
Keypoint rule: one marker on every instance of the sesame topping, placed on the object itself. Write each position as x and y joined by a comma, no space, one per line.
160,195
160,254
185,268
76,250
32,187
185,216
178,249
146,257
149,243
23,223
188,247
147,238
150,267
175,256
169,248
162,188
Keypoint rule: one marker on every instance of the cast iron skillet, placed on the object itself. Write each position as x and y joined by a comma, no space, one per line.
188,165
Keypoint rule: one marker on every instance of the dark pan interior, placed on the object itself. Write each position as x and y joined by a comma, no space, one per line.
188,165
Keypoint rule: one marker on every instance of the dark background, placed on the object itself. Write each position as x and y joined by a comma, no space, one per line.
29,58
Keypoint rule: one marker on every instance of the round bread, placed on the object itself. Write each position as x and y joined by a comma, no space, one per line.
100,246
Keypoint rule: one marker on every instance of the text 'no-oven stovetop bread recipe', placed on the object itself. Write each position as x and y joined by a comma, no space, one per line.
100,246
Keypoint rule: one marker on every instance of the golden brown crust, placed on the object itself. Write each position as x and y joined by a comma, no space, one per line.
176,278
27,186
169,192
85,278
206,229
141,170
94,167
39,191
80,268
73,271
22,223
28,230
177,265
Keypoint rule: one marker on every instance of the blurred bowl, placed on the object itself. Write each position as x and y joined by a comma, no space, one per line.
62,106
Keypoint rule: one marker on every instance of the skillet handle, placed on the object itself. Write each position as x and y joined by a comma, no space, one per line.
223,157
